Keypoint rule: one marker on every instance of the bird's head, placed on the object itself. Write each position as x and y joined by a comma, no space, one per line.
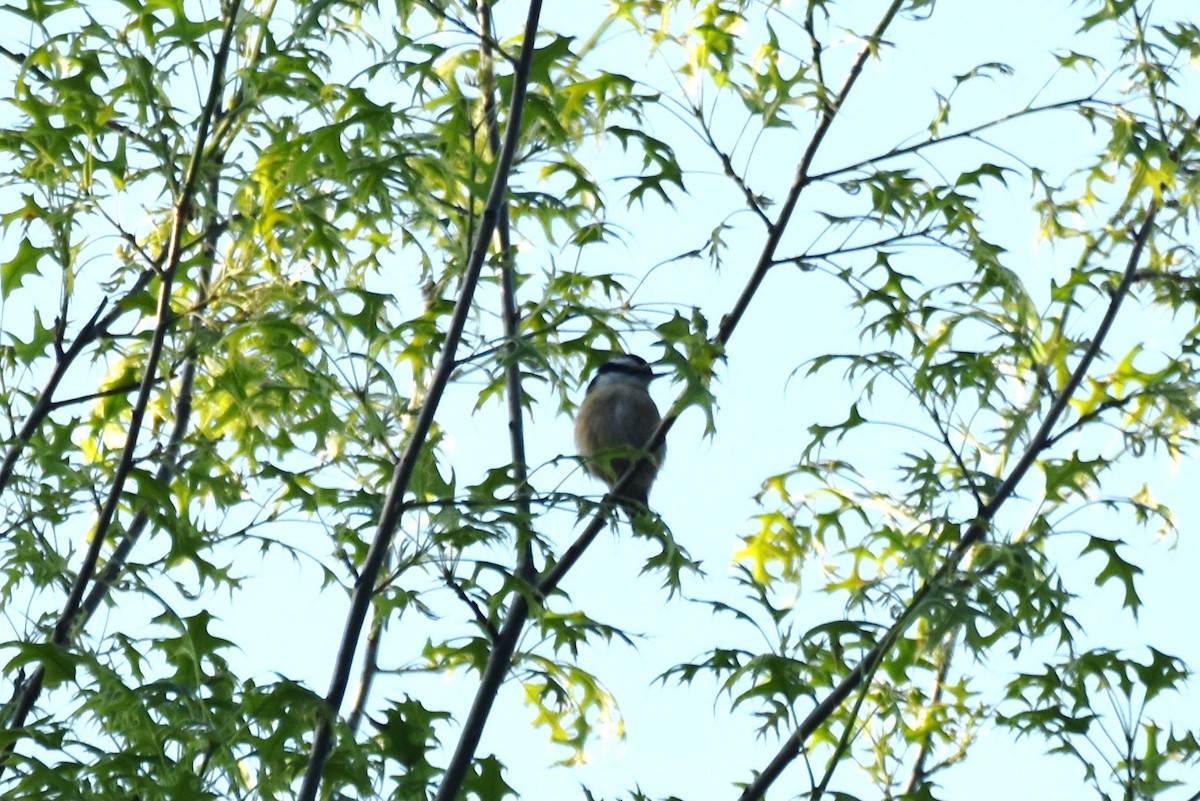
624,368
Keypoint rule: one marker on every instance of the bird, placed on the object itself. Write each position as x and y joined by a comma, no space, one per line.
618,416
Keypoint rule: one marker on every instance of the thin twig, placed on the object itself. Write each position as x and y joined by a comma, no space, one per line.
903,236
963,134
481,618
944,431
843,745
919,772
818,49
752,201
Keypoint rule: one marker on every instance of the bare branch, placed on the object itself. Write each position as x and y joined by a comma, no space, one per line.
481,618
968,133
895,239
752,201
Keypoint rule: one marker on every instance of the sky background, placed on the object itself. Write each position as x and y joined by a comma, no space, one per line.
683,741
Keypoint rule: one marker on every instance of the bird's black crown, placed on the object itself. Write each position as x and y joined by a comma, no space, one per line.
627,364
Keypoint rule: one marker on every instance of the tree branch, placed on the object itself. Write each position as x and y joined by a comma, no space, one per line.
897,238
370,668
504,641
76,610
394,504
802,180
96,327
45,400
964,134
727,164
975,534
552,576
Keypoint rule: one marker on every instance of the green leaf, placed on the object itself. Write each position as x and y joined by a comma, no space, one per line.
1115,568
59,663
1070,476
24,264
485,780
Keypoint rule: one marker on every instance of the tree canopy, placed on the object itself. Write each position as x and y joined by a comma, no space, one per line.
298,300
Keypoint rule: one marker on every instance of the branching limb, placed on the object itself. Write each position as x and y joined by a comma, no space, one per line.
968,133
553,576
802,179
481,618
505,640
895,239
490,123
98,325
76,610
394,504
45,400
975,534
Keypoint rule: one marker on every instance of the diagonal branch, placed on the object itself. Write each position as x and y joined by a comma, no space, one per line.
487,85
752,202
551,578
803,177
45,401
370,667
29,690
966,133
184,207
96,327
394,504
976,533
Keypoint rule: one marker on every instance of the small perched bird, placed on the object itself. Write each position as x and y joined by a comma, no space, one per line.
617,416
